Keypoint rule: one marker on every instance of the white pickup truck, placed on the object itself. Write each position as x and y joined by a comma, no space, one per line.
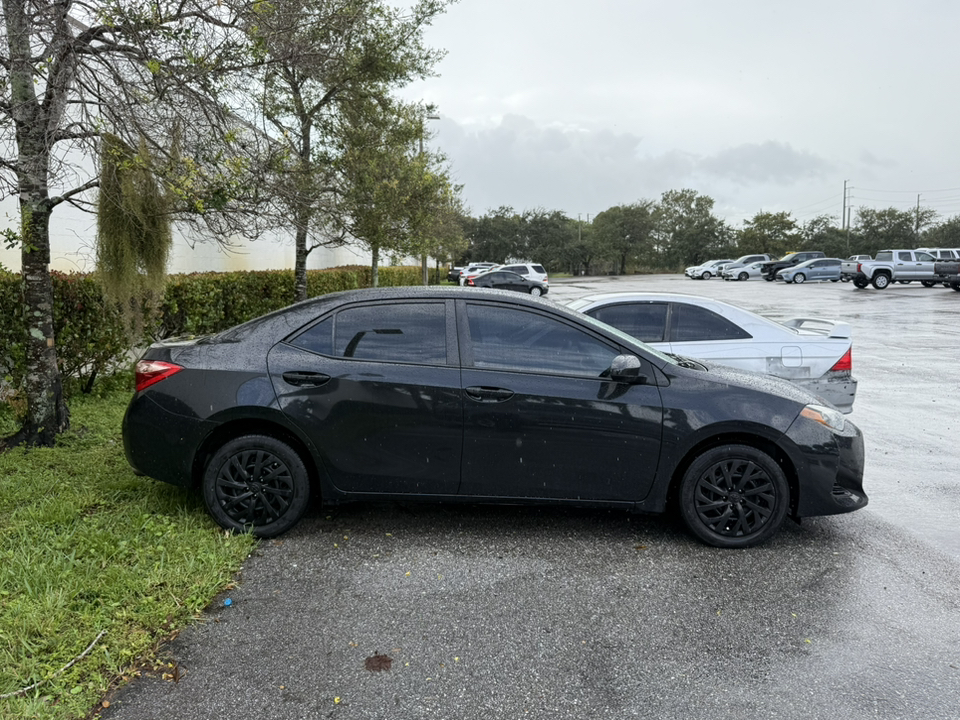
889,266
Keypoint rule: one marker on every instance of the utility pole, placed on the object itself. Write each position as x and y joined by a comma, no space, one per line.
916,223
424,275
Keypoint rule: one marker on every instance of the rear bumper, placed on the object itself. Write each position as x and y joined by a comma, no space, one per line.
160,444
840,390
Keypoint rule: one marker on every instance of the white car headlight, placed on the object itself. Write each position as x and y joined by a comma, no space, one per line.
825,416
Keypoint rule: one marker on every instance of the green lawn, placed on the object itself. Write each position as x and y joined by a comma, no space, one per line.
86,547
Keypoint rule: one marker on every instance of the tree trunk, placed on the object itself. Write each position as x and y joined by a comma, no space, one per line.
375,266
300,264
47,413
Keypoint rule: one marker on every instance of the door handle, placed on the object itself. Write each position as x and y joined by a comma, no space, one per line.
488,394
303,378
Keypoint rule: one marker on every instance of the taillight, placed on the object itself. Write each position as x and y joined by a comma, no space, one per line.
470,282
150,372
845,363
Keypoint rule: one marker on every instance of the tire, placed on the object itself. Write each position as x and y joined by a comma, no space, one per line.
927,283
880,281
799,278
860,283
743,276
844,279
904,282
955,286
535,291
734,496
768,278
706,276
257,484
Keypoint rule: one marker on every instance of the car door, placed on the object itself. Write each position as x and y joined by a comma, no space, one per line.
923,265
540,420
376,389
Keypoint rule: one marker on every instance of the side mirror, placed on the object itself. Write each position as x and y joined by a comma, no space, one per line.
627,369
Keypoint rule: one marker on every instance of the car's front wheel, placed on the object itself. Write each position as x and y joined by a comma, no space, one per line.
706,275
799,278
258,484
734,496
743,276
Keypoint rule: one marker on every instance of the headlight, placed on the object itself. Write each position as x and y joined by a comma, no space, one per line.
825,416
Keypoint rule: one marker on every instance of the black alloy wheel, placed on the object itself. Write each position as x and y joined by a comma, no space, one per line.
257,484
734,496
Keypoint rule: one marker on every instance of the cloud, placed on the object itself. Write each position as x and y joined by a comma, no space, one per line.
767,162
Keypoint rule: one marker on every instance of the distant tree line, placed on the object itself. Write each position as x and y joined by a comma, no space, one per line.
681,229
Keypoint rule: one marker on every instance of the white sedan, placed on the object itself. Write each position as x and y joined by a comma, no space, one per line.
744,272
812,352
707,270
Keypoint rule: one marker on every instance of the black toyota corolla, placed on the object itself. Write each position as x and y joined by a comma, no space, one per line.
455,394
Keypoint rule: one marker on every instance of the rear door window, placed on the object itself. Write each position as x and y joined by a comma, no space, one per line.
691,323
644,321
406,333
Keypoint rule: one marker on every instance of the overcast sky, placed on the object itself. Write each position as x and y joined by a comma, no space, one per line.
578,105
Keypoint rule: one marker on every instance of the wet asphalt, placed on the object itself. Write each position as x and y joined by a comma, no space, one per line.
406,611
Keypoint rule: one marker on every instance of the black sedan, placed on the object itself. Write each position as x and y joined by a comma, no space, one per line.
506,280
456,394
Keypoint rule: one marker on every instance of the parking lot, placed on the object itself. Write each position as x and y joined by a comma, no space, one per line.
548,613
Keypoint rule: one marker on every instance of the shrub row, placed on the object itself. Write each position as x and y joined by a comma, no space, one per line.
91,337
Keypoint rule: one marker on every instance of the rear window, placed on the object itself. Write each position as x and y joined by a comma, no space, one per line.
539,269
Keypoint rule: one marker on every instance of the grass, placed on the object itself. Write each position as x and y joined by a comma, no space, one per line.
86,547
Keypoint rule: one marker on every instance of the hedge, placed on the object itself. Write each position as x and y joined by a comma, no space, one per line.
91,336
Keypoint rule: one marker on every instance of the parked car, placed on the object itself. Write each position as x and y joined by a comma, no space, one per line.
819,270
745,272
453,275
942,253
457,394
948,273
503,280
891,266
707,270
815,353
769,270
743,261
474,269
531,271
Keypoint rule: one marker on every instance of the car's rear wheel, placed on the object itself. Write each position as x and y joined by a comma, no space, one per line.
927,283
955,286
743,276
734,496
860,283
881,281
535,291
258,484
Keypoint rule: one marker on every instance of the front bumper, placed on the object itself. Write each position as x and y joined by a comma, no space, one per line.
829,467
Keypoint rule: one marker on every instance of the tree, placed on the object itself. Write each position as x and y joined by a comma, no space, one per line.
389,197
495,236
889,228
686,231
320,59
142,71
775,234
625,233
944,234
820,233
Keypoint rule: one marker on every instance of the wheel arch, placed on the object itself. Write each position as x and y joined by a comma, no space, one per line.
736,438
238,427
